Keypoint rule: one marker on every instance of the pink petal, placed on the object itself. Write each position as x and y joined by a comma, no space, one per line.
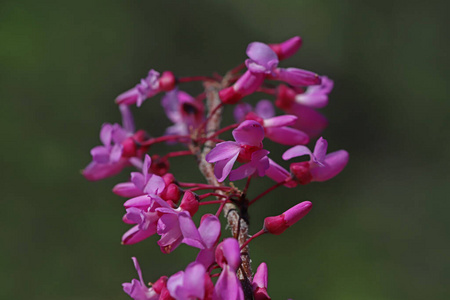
280,121
262,58
287,136
223,151
241,110
223,168
309,120
209,230
278,173
139,201
260,278
249,133
100,154
191,236
295,152
126,189
320,150
135,235
264,109
244,171
334,163
127,118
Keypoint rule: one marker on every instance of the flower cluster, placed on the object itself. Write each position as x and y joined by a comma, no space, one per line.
159,203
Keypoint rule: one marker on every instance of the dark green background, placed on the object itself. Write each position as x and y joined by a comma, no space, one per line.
378,231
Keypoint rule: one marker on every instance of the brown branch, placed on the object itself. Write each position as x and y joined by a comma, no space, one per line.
230,210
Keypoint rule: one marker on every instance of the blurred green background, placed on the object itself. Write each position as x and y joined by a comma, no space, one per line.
380,230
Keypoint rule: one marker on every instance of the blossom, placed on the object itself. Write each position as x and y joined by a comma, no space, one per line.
183,110
118,149
204,238
228,257
275,128
309,120
259,283
287,48
321,166
147,88
247,148
262,59
141,183
193,283
278,224
137,288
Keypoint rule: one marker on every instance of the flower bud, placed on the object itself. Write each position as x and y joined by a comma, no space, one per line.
189,203
167,81
278,224
287,48
171,193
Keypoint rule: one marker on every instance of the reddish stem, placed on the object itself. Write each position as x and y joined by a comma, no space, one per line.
267,90
195,78
202,186
237,68
218,132
212,202
266,192
177,153
201,197
164,139
259,233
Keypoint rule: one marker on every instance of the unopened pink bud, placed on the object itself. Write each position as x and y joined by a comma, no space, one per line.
189,203
301,172
278,224
167,81
160,284
287,48
247,84
171,193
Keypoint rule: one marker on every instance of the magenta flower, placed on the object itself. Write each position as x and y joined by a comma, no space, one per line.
296,77
309,120
247,148
228,256
183,110
275,128
247,84
316,96
278,224
262,59
137,289
190,284
141,183
259,283
287,48
110,158
205,238
321,166
147,88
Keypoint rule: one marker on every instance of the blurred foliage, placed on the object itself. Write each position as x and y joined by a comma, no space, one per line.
378,231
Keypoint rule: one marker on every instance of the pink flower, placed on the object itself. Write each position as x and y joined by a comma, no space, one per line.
183,110
316,96
259,283
141,183
309,120
194,283
247,148
262,59
118,150
287,48
137,288
205,238
278,224
247,84
228,257
275,128
321,166
147,88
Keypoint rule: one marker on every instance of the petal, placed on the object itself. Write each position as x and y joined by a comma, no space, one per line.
277,172
334,163
228,286
262,55
223,168
170,103
194,280
287,136
174,283
191,236
232,252
100,154
95,171
244,171
223,151
280,121
155,185
309,120
209,230
241,110
127,118
127,189
135,235
260,278
249,133
264,109
320,150
106,134
139,201
129,97
295,152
